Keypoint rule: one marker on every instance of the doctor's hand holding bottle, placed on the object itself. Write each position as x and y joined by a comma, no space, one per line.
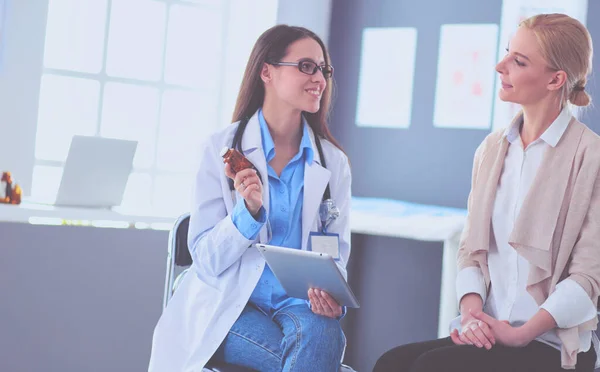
248,185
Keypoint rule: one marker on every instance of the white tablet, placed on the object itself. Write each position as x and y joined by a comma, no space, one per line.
298,270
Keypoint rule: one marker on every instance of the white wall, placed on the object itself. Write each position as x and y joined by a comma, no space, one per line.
20,74
247,20
312,14
22,63
252,16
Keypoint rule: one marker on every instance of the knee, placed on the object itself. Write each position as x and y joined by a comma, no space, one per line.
427,362
386,362
398,359
326,329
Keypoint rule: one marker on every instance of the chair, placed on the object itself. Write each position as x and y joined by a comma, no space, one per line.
178,257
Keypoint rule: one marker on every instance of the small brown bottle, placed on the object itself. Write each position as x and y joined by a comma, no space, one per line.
236,160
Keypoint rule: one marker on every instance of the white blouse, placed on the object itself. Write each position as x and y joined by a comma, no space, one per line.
508,298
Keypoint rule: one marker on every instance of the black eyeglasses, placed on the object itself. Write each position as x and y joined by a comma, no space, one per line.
308,67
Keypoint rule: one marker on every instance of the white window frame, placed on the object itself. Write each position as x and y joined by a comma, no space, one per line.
242,22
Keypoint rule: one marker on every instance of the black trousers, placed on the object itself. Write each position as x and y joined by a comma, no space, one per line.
443,355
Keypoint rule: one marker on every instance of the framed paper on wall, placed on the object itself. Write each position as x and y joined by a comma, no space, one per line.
465,76
386,77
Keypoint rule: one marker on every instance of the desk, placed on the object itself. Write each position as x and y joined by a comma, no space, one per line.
400,219
372,216
42,214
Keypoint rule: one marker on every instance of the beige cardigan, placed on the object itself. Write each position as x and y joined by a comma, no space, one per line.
558,228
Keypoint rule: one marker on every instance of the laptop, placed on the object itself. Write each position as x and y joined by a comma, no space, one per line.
96,172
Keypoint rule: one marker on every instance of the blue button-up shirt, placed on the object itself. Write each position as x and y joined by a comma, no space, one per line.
286,193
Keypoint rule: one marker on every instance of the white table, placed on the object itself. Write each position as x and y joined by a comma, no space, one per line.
50,215
371,216
400,219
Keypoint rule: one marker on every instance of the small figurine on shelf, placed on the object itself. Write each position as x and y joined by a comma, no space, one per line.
10,193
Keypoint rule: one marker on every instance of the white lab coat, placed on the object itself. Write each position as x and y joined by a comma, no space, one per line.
226,270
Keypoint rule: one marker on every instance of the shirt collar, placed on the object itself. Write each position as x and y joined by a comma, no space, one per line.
305,148
551,135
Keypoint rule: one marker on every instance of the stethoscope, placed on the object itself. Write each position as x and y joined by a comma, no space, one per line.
327,204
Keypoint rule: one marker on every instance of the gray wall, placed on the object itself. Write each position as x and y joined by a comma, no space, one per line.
79,298
422,164
397,282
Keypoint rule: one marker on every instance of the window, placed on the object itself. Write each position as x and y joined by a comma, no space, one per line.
144,70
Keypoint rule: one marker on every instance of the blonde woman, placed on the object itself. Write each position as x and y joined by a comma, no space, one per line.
529,258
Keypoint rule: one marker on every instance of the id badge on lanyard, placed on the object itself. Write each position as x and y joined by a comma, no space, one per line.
323,241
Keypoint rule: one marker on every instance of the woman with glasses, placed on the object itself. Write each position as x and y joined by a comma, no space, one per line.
231,308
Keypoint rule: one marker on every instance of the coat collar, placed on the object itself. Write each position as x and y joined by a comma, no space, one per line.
316,177
535,225
551,136
252,138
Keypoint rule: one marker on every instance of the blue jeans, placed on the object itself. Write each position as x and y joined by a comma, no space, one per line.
292,339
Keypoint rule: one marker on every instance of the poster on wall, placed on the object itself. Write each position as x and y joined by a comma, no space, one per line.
465,76
385,83
513,12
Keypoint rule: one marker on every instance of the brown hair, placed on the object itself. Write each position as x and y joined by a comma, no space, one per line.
566,45
272,46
